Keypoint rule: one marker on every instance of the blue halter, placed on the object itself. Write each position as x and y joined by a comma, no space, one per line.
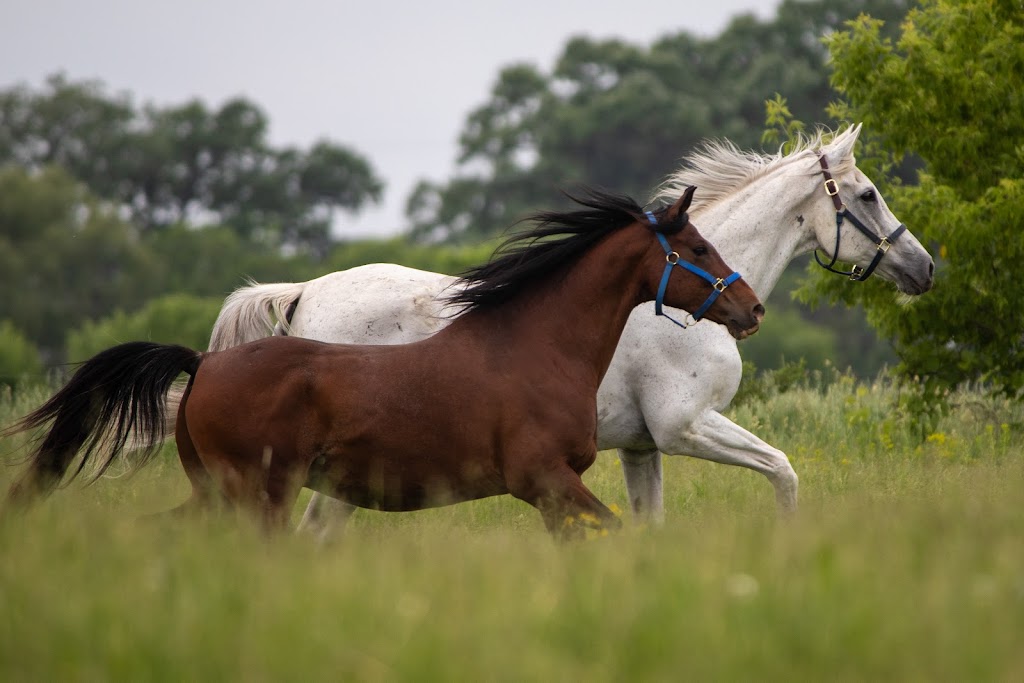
672,259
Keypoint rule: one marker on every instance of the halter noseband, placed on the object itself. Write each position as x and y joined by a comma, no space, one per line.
718,284
856,273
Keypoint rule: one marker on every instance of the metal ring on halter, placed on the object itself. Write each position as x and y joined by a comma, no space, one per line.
669,255
689,320
884,245
719,285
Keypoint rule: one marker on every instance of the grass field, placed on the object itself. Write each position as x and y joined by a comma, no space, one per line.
905,563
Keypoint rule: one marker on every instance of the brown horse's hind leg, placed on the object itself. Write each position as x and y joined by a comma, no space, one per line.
205,493
286,474
264,486
568,507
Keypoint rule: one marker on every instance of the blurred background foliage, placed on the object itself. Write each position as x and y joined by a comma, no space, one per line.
122,221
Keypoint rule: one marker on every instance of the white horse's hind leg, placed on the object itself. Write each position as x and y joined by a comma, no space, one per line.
714,437
325,518
642,470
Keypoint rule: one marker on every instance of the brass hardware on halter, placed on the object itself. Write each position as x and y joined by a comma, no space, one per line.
884,245
669,255
719,285
831,187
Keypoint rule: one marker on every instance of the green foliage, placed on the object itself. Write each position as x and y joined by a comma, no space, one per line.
620,116
451,260
171,164
782,128
174,319
951,90
19,360
215,260
64,257
785,334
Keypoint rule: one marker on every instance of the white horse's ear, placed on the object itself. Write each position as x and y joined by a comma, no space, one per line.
842,144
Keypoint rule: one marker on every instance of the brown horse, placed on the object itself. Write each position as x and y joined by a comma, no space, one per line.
500,401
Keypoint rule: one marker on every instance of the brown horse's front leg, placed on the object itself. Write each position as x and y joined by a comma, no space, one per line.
568,507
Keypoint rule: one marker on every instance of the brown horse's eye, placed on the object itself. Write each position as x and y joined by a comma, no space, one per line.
700,251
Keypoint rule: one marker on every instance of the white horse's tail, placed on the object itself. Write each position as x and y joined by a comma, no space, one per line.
251,312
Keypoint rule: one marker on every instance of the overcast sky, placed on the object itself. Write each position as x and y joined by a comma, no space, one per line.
392,79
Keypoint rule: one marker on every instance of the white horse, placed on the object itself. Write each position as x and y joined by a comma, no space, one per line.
666,386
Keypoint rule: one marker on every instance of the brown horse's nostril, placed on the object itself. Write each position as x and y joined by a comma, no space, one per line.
759,312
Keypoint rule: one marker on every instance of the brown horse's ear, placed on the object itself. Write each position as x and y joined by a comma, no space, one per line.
681,206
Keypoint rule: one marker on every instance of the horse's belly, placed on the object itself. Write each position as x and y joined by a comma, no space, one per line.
402,481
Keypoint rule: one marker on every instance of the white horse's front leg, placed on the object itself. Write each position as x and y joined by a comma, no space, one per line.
325,518
642,470
714,437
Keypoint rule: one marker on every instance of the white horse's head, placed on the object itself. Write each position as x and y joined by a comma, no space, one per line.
869,235
761,210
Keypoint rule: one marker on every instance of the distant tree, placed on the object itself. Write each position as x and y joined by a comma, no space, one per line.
951,90
215,260
621,115
451,260
186,162
64,257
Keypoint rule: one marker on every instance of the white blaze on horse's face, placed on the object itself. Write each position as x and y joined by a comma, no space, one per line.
905,262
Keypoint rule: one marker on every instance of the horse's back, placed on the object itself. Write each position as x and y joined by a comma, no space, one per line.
379,303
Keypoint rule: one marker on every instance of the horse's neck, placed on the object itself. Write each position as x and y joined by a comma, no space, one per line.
758,230
577,313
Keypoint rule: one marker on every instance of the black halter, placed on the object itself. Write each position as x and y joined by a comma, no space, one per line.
857,273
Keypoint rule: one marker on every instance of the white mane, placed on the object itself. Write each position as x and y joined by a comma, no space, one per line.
719,168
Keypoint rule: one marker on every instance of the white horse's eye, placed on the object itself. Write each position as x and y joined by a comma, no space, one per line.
868,196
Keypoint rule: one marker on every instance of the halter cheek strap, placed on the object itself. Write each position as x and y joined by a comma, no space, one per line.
718,285
856,273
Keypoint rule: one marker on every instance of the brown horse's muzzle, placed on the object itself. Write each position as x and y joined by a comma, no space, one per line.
742,327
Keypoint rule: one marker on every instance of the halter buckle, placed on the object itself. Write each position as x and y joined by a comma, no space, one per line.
855,272
831,187
884,245
669,255
719,285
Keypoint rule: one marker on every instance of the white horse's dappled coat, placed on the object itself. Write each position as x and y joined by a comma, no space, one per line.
666,386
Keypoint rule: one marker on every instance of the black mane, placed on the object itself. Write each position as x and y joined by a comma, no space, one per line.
529,255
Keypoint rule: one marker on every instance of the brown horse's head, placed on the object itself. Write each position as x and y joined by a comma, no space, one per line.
699,281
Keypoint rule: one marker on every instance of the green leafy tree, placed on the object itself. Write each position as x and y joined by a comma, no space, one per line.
215,260
186,162
951,90
620,115
64,257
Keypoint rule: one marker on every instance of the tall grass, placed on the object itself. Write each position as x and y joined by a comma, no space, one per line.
905,562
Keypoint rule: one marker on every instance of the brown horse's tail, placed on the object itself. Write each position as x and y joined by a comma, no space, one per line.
117,394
